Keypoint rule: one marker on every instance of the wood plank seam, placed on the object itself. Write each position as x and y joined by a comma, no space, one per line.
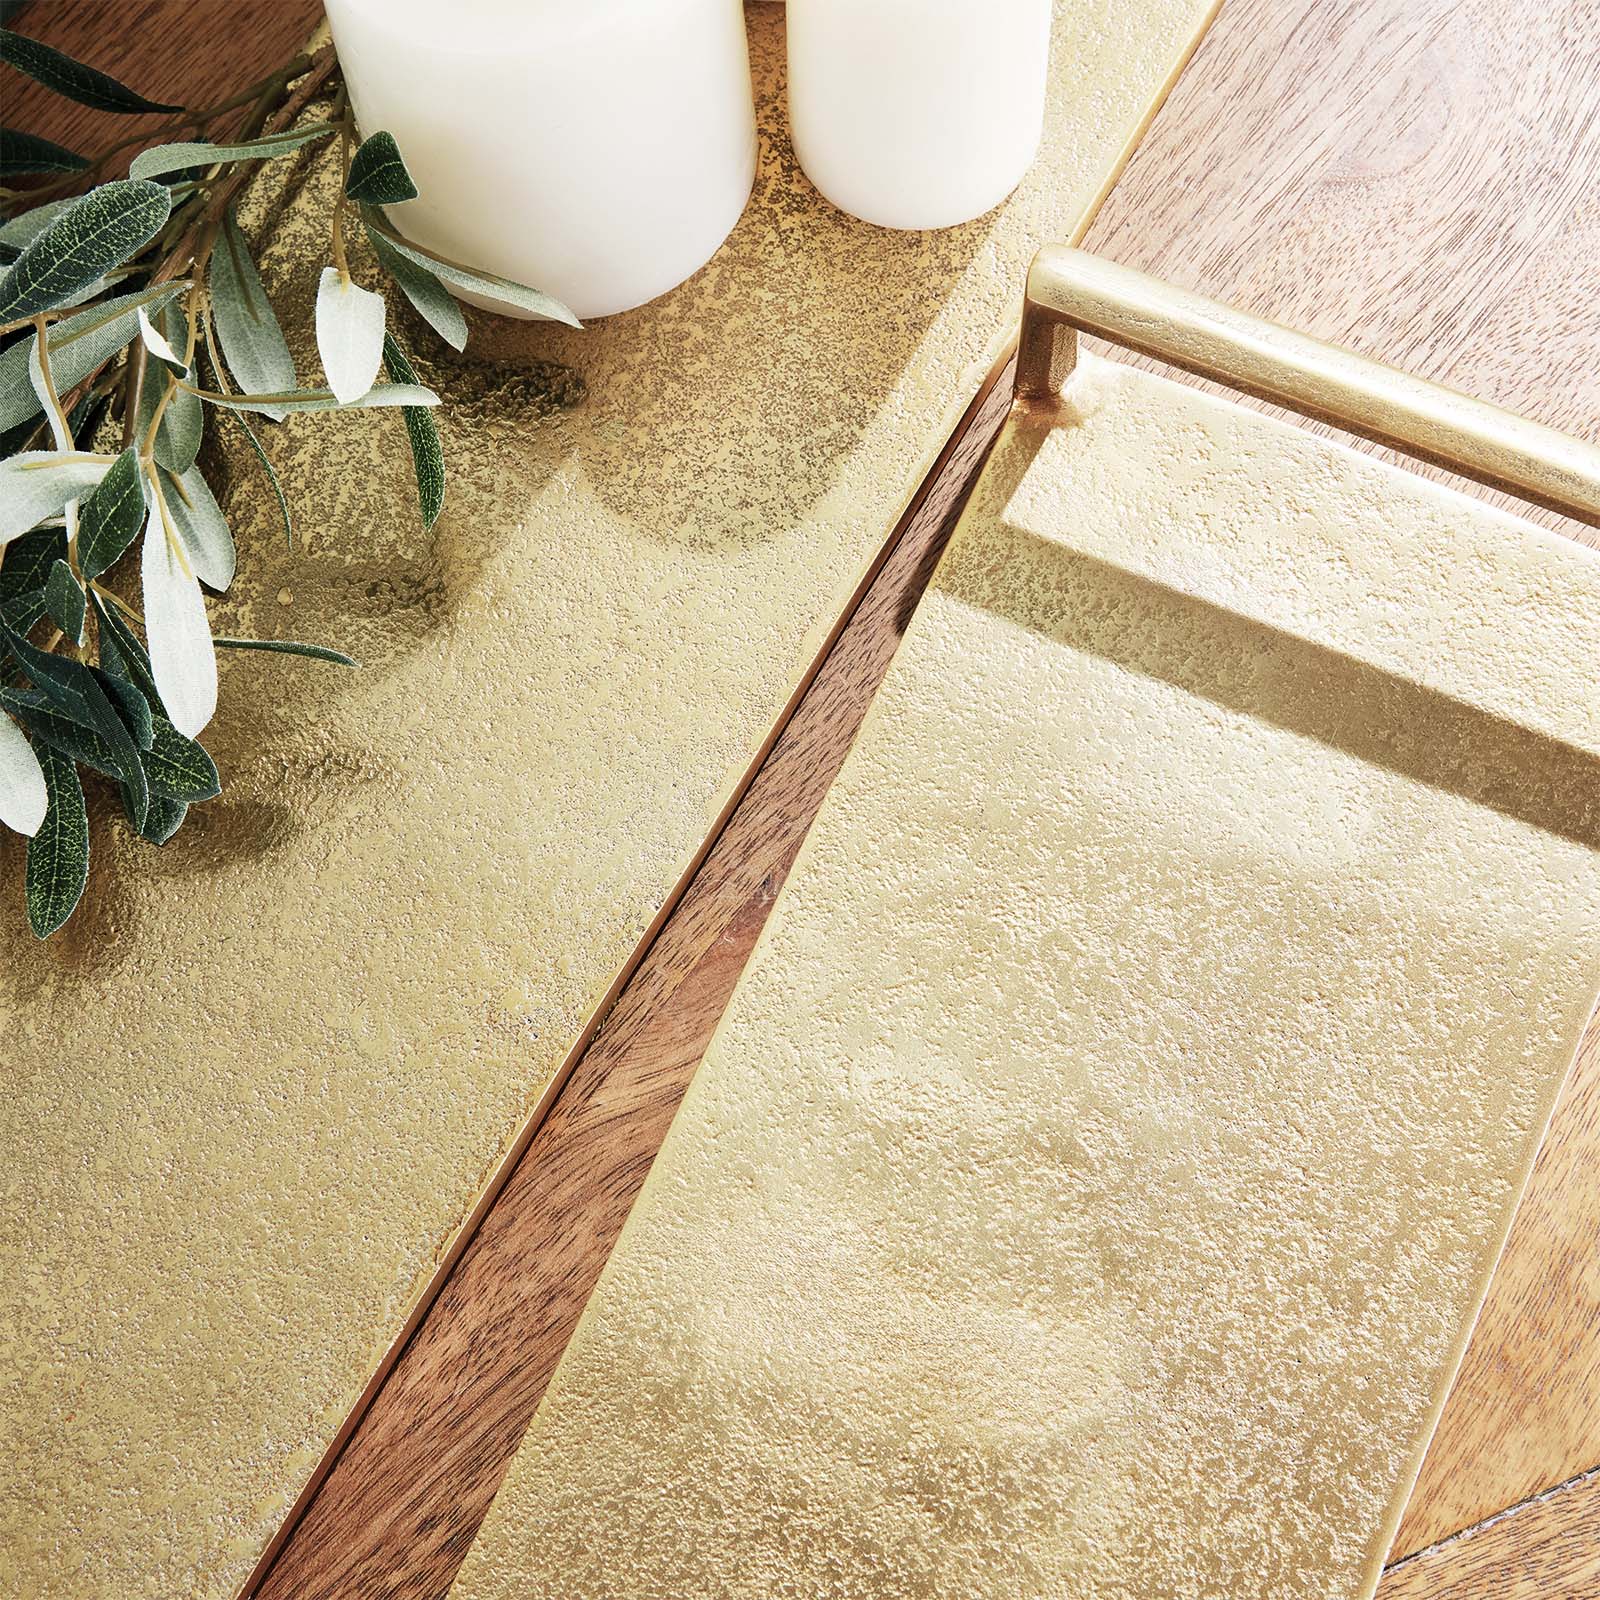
1576,1481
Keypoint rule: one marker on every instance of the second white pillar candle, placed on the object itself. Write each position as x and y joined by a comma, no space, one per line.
917,113
598,150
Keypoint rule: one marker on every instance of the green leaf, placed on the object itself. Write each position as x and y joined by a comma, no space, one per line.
49,726
164,819
27,561
38,483
349,334
288,647
383,394
377,174
178,768
23,796
427,454
110,519
121,653
256,351
65,603
19,614
78,345
58,854
438,307
165,158
202,527
27,152
88,239
87,85
484,283
74,693
131,705
272,476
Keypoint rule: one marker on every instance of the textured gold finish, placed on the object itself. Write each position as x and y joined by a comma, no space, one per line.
1071,291
253,1093
1094,1178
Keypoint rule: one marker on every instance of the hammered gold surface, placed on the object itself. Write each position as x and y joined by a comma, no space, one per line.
1093,1180
254,1090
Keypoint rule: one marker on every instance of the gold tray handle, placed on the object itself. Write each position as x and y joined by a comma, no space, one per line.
1072,292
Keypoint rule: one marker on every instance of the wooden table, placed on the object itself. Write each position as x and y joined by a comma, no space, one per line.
1419,179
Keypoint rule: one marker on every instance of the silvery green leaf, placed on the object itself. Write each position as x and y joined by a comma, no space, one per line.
78,345
90,291
201,526
26,226
272,476
484,283
165,158
437,306
65,603
382,394
110,518
87,85
27,152
183,420
178,769
290,647
58,854
427,454
182,428
252,341
377,174
349,334
93,235
179,634
23,796
38,483
60,432
156,343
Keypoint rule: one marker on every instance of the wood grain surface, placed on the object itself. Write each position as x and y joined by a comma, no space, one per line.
1545,1549
1419,179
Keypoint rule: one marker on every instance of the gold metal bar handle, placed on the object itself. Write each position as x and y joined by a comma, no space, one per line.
1072,292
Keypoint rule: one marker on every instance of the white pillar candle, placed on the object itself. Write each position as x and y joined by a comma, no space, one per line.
917,113
597,150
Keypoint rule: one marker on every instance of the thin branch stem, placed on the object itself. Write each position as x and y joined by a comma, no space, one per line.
342,118
174,543
52,398
133,394
36,319
319,70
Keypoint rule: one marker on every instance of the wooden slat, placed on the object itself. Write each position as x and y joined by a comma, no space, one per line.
197,54
1547,1549
398,1511
1418,178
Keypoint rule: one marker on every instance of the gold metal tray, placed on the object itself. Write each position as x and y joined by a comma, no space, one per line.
1093,1182
256,1093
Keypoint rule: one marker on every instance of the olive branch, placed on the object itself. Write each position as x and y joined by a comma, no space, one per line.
107,301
